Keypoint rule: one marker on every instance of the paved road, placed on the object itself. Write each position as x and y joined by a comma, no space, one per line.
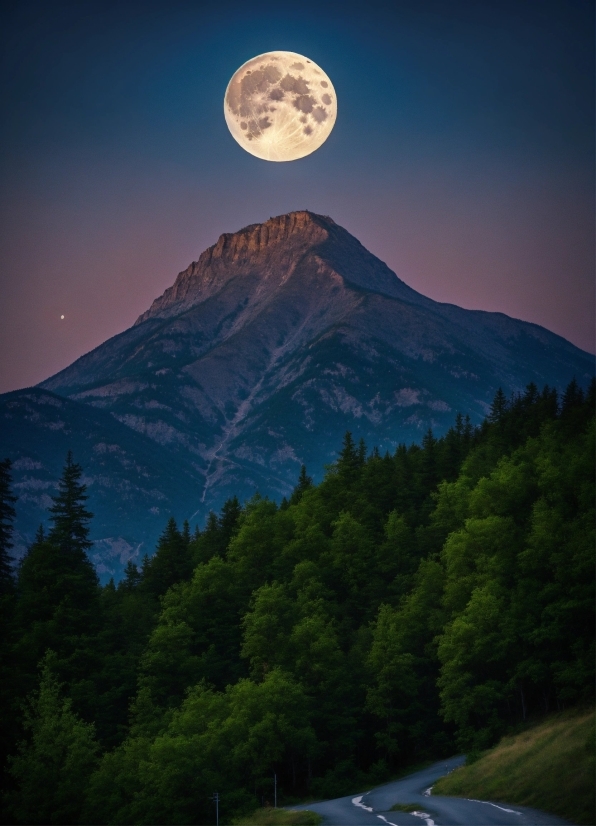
372,808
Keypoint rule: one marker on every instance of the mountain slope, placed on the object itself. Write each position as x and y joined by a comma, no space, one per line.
285,334
134,485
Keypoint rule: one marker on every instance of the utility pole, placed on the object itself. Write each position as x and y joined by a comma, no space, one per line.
274,790
215,797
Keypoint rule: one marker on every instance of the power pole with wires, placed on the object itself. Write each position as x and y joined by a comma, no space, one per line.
215,797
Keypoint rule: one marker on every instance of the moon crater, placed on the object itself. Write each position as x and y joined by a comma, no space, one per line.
303,115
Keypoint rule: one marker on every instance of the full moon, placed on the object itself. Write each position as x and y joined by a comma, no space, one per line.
280,106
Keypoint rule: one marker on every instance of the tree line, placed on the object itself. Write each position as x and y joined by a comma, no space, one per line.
407,606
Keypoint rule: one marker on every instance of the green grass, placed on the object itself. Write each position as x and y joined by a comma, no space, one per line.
405,807
280,817
549,766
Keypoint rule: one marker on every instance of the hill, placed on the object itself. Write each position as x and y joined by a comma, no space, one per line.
549,766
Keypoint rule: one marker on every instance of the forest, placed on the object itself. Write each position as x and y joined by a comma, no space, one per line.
407,607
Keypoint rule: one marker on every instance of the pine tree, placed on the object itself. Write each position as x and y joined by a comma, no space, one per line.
7,515
349,462
56,574
171,563
361,452
499,407
69,515
572,397
576,408
304,483
132,577
228,521
429,461
58,594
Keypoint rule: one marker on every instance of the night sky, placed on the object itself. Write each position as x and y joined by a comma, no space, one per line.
462,155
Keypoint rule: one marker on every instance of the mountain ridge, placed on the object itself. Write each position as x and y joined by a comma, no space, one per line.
255,245
281,337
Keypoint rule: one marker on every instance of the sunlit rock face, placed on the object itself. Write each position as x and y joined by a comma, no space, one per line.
280,106
259,357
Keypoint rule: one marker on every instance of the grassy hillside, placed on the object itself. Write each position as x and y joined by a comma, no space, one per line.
550,766
280,817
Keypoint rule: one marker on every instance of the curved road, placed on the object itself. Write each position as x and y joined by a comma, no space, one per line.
372,808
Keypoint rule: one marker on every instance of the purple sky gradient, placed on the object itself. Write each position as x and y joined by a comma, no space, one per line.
462,156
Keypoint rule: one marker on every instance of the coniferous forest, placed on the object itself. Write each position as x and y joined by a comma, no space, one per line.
407,607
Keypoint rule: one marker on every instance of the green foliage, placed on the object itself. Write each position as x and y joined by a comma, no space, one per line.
518,583
405,807
304,483
440,594
53,765
214,540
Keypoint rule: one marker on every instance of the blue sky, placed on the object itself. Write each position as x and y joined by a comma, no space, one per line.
462,156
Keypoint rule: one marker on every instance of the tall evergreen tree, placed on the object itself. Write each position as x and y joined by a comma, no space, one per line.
58,594
428,462
304,483
499,407
228,520
349,462
69,514
219,530
171,563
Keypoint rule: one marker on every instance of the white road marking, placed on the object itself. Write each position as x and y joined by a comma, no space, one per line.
428,791
357,802
511,811
425,816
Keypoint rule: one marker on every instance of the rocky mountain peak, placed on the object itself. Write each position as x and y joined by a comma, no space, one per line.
271,248
256,239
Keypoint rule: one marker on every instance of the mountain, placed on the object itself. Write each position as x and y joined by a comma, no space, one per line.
268,348
134,484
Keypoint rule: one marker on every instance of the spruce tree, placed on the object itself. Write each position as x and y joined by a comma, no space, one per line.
172,562
304,483
69,514
58,594
7,515
132,577
228,521
349,462
499,407
428,468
